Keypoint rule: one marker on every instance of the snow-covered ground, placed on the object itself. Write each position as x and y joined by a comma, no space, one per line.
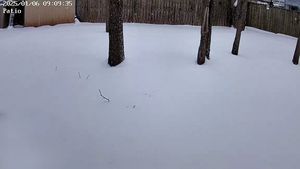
165,111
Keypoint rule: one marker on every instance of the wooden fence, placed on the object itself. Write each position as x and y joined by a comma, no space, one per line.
181,12
190,12
274,19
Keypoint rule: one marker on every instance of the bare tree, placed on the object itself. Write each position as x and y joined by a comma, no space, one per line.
297,53
241,15
211,5
107,15
116,39
204,48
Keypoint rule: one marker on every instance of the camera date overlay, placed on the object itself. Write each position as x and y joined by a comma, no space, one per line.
10,6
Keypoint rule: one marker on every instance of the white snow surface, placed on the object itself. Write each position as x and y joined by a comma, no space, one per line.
165,111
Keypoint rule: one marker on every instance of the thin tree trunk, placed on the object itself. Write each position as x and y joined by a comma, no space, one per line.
297,53
236,43
241,15
116,41
208,42
202,51
211,4
108,16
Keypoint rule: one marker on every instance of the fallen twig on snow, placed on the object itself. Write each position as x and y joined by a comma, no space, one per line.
79,75
105,98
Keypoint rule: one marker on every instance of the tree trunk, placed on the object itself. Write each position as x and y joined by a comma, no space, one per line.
241,15
108,15
208,42
116,41
211,4
297,53
204,50
236,43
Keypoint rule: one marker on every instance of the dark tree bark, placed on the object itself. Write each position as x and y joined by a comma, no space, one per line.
237,39
116,41
108,16
241,15
230,12
211,4
204,48
297,53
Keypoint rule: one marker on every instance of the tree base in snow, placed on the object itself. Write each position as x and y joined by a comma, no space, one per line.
236,43
202,50
297,53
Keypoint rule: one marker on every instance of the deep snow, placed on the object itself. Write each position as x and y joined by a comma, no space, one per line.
166,112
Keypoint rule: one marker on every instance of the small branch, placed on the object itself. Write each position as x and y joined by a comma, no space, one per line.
56,68
87,77
105,98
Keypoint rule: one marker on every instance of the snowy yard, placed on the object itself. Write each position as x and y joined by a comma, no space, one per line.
165,111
